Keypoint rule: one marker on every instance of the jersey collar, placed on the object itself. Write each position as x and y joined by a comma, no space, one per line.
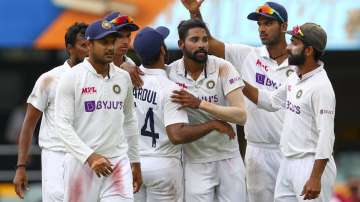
209,69
313,72
92,69
264,53
150,71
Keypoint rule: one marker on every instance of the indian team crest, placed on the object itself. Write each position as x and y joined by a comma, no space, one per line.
116,89
289,72
106,24
299,94
210,84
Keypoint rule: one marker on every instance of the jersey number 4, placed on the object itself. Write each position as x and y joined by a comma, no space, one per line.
150,118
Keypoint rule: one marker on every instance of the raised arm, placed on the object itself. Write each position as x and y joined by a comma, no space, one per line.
216,47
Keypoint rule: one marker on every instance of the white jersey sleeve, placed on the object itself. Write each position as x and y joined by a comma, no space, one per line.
272,100
230,78
236,54
323,102
39,95
131,125
64,118
172,114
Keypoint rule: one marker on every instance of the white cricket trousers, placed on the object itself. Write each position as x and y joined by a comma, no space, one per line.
262,162
83,185
52,175
220,181
293,175
162,180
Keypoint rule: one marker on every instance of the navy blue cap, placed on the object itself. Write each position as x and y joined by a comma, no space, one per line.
99,29
148,41
270,10
121,21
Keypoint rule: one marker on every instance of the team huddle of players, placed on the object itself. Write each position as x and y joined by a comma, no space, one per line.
112,131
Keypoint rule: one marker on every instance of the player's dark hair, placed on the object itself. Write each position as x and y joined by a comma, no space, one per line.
185,25
317,54
72,31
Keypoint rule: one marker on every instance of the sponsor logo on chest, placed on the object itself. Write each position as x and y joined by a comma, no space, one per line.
88,90
265,81
91,106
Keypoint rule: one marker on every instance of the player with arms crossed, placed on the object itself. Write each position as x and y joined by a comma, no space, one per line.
307,137
265,67
163,126
42,102
97,122
214,169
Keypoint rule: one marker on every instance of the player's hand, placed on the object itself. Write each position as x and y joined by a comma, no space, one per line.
100,164
311,188
137,178
185,99
193,6
21,182
224,128
134,73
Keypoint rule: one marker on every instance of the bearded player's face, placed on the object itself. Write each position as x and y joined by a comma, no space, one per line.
196,45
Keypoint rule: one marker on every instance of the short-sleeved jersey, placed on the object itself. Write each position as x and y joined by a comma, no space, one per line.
42,98
96,113
155,112
259,70
309,102
217,80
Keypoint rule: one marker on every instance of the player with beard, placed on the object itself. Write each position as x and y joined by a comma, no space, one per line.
96,120
265,67
307,137
41,102
214,169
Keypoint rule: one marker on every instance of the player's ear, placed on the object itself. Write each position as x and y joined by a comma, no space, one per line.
180,44
284,26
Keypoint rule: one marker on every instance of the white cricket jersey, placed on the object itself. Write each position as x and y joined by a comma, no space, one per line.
42,98
217,80
258,69
155,111
97,114
309,117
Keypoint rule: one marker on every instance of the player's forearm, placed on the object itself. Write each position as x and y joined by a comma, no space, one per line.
27,130
230,114
318,168
196,15
251,92
182,133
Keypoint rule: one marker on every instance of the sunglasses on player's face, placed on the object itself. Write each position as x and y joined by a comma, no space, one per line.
266,9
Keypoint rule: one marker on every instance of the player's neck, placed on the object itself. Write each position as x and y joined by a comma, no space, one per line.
100,68
308,66
118,60
194,68
278,51
157,65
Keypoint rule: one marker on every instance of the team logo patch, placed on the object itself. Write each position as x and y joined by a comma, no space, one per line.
299,94
116,89
210,84
106,24
289,72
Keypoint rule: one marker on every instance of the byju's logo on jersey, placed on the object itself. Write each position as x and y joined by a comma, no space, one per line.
88,90
263,80
92,105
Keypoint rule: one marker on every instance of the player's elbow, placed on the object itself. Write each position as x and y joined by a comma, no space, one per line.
241,118
174,133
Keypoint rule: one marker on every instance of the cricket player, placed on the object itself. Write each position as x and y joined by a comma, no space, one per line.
307,137
163,125
125,26
41,102
97,122
212,89
265,67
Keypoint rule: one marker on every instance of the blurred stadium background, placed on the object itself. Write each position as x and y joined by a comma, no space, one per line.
32,42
